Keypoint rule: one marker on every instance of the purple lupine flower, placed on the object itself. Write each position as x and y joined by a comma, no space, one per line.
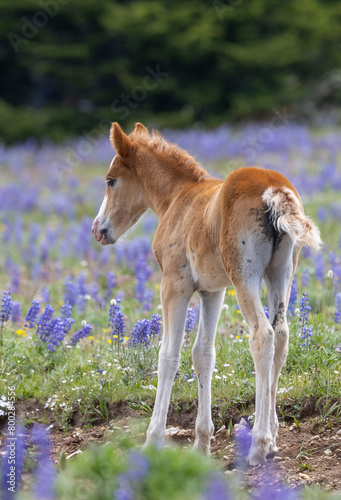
305,278
337,316
266,311
115,307
66,313
155,325
16,312
118,327
128,482
217,489
319,268
43,329
142,274
45,474
32,315
190,320
147,300
19,450
243,443
71,291
55,333
45,295
306,331
111,282
140,334
84,332
269,491
6,307
15,278
293,298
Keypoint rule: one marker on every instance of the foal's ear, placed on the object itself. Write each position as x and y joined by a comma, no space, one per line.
140,128
120,142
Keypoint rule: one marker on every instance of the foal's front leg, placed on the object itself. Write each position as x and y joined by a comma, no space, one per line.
174,306
203,360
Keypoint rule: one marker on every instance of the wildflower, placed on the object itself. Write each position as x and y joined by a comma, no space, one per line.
45,474
140,334
338,308
111,282
84,332
45,295
119,326
319,268
305,278
267,312
190,320
115,307
66,316
32,315
306,331
16,312
71,292
217,489
128,482
293,298
155,325
42,323
15,278
142,273
55,333
6,307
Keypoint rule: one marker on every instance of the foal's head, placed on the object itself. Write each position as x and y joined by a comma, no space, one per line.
123,203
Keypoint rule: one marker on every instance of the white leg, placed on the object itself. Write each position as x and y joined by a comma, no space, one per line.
262,350
174,306
204,360
278,276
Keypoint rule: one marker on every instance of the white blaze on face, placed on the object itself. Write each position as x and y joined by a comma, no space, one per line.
97,222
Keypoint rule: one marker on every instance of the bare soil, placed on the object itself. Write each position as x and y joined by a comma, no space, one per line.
308,453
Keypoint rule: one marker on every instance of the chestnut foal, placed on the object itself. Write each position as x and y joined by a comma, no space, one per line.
211,234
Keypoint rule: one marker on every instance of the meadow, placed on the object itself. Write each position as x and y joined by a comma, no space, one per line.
80,323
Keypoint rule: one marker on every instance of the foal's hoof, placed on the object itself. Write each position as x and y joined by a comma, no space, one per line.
202,448
272,451
256,457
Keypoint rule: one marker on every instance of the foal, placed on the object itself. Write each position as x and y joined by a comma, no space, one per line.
211,234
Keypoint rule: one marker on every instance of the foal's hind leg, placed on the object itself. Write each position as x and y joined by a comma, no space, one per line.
245,265
203,360
278,276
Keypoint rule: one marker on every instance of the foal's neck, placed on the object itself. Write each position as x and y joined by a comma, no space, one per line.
162,181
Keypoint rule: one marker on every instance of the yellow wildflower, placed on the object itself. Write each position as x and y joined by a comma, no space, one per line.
231,292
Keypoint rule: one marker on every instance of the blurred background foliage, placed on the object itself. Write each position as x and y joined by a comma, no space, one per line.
69,65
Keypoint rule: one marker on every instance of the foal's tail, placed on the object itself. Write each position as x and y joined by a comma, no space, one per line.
288,217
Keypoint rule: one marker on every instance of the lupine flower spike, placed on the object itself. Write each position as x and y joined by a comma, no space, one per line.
32,315
306,331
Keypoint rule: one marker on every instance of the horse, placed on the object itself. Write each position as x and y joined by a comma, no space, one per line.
211,234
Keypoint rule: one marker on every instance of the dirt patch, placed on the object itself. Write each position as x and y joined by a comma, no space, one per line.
308,453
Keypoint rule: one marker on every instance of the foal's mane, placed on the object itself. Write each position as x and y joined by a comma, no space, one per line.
155,141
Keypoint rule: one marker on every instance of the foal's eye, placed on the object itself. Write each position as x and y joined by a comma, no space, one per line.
112,182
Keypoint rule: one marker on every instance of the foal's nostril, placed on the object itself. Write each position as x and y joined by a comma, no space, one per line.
103,231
